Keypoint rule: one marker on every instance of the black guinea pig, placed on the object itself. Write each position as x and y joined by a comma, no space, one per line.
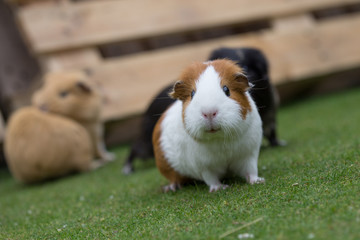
142,147
263,93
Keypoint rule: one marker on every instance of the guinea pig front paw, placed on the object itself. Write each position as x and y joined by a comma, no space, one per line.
171,187
217,187
96,164
253,179
108,157
277,143
128,169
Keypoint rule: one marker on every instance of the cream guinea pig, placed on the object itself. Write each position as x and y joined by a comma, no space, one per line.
41,146
61,133
73,95
213,128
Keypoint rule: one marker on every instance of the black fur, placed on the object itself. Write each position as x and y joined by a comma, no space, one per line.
143,148
255,65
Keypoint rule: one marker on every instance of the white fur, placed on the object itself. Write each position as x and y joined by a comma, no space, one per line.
201,155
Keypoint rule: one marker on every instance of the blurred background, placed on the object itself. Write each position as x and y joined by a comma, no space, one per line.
133,48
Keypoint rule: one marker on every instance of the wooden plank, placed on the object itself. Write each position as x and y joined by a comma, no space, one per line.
58,26
24,2
329,46
76,59
293,22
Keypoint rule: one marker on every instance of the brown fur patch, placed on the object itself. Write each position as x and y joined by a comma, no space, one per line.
187,83
231,75
162,164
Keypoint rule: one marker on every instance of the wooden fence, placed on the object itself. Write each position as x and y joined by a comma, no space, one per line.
135,47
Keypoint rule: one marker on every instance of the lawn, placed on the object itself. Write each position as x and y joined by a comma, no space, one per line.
312,191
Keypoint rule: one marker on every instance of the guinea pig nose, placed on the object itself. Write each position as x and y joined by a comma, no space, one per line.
210,114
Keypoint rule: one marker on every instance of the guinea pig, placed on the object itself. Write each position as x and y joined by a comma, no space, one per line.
256,68
211,130
142,147
72,95
254,63
41,145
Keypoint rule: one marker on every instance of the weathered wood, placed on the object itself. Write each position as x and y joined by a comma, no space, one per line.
288,23
26,2
324,84
327,47
60,26
76,59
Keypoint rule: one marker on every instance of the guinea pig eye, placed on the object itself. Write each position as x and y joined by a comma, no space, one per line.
63,94
192,93
226,90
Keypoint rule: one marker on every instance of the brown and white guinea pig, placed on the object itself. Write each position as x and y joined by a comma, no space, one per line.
213,127
255,65
40,146
72,94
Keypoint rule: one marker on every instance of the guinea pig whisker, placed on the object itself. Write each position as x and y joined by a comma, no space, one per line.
161,98
226,131
229,131
156,115
254,88
236,133
259,80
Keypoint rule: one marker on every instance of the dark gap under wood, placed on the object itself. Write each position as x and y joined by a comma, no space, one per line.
170,40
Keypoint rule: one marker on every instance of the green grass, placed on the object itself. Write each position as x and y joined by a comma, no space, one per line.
312,190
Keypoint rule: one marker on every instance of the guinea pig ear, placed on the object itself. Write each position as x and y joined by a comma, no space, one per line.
242,79
83,87
179,91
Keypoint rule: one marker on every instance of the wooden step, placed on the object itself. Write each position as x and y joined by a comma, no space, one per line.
61,25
